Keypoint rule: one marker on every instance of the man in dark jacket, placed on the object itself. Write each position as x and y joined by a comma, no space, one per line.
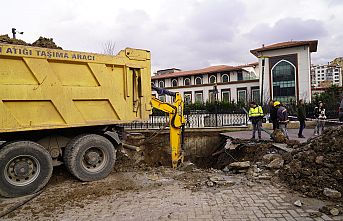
282,117
301,117
273,115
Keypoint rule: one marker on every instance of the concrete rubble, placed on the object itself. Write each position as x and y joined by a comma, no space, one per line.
332,193
333,210
270,157
298,203
314,168
240,165
276,163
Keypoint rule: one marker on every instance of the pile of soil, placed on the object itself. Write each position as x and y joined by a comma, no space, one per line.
317,164
7,40
45,43
42,42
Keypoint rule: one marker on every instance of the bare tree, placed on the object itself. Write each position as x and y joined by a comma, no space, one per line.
109,47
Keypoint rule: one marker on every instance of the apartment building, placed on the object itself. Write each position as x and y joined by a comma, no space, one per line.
323,76
338,61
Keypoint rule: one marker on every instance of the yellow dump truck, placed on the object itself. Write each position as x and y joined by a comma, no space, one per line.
60,106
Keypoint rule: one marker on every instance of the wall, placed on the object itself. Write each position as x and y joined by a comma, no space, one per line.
233,90
198,143
304,76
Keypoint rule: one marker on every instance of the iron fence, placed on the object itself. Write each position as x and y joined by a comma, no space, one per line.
194,120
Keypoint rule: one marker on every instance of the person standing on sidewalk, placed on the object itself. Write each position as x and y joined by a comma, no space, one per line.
319,114
256,115
273,115
301,117
282,117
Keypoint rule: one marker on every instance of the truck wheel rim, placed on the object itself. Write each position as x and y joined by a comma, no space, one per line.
22,170
94,159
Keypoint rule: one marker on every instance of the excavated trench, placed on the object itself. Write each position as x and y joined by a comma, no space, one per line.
314,168
240,151
204,149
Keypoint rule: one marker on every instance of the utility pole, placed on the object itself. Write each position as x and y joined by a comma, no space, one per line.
262,80
215,91
14,32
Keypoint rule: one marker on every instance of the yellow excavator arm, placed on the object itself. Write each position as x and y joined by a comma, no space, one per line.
176,123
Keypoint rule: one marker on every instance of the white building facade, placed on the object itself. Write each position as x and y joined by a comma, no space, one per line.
222,83
283,73
323,76
284,69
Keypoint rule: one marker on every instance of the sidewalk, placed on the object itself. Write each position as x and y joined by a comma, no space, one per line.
292,133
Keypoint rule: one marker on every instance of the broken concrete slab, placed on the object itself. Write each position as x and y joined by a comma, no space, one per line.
229,145
276,163
240,165
331,193
222,180
298,203
283,146
270,157
334,211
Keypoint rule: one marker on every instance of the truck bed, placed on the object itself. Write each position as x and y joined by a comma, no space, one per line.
47,88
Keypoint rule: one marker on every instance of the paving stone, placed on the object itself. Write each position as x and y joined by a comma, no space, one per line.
173,202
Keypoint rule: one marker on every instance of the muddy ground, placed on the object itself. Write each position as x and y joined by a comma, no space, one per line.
148,171
64,193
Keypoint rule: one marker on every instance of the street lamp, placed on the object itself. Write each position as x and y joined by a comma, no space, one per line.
14,31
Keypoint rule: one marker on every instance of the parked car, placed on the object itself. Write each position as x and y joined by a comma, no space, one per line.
340,111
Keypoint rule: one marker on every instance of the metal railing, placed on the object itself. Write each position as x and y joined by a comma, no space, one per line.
194,120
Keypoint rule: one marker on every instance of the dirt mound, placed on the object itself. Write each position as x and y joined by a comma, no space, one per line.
45,43
7,40
42,42
317,165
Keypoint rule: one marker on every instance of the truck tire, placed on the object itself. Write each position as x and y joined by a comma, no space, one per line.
90,157
25,168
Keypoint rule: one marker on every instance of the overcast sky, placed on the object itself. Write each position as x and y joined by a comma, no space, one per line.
186,34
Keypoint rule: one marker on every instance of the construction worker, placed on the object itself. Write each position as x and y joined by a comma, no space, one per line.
255,116
301,112
319,114
273,115
282,117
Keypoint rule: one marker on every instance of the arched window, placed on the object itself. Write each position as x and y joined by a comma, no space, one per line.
225,78
212,79
161,84
187,81
174,83
198,80
283,77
